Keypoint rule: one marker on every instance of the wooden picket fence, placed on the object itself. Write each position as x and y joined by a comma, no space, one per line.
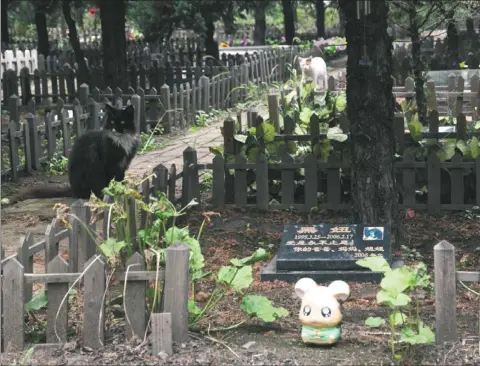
324,177
446,277
179,49
84,266
170,109
451,99
63,82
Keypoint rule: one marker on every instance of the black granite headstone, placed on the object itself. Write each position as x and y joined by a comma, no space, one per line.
331,247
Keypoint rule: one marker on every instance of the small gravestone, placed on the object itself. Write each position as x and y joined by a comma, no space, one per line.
328,252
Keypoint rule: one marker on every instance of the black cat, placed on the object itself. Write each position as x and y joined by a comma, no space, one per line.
96,158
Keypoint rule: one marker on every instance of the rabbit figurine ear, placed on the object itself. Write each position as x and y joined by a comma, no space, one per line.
304,285
340,290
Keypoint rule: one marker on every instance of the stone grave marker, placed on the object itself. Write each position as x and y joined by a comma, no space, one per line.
328,252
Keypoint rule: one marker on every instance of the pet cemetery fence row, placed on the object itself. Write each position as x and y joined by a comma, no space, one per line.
183,51
171,324
278,183
451,99
63,82
84,266
26,142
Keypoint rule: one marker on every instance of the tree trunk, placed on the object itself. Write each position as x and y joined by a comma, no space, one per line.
114,43
320,7
5,33
341,21
42,33
211,47
289,22
452,44
418,66
370,109
260,24
75,43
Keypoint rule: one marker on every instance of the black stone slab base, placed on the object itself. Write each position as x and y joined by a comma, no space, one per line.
270,273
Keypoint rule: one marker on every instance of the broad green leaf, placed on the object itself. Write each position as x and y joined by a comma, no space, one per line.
447,151
262,308
241,138
111,247
198,275
395,300
252,154
398,280
268,132
240,278
375,264
196,257
175,234
193,308
252,131
305,115
341,102
474,147
424,335
374,322
397,318
336,133
322,149
415,129
462,146
38,301
259,255
299,130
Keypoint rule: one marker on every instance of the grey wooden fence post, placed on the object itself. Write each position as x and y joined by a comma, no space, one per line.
56,293
273,109
176,289
83,93
165,97
12,298
162,333
244,79
205,93
14,110
93,122
137,113
135,302
445,292
94,309
190,182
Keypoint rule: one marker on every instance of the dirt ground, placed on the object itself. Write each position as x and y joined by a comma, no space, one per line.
237,233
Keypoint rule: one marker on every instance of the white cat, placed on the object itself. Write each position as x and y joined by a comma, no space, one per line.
314,68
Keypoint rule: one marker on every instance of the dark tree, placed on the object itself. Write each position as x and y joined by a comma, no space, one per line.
320,7
114,43
211,46
41,7
260,23
75,43
452,42
4,20
370,109
289,20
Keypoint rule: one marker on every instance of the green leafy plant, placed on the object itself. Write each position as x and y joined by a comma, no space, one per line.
57,165
237,276
148,142
473,213
396,294
203,119
410,255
